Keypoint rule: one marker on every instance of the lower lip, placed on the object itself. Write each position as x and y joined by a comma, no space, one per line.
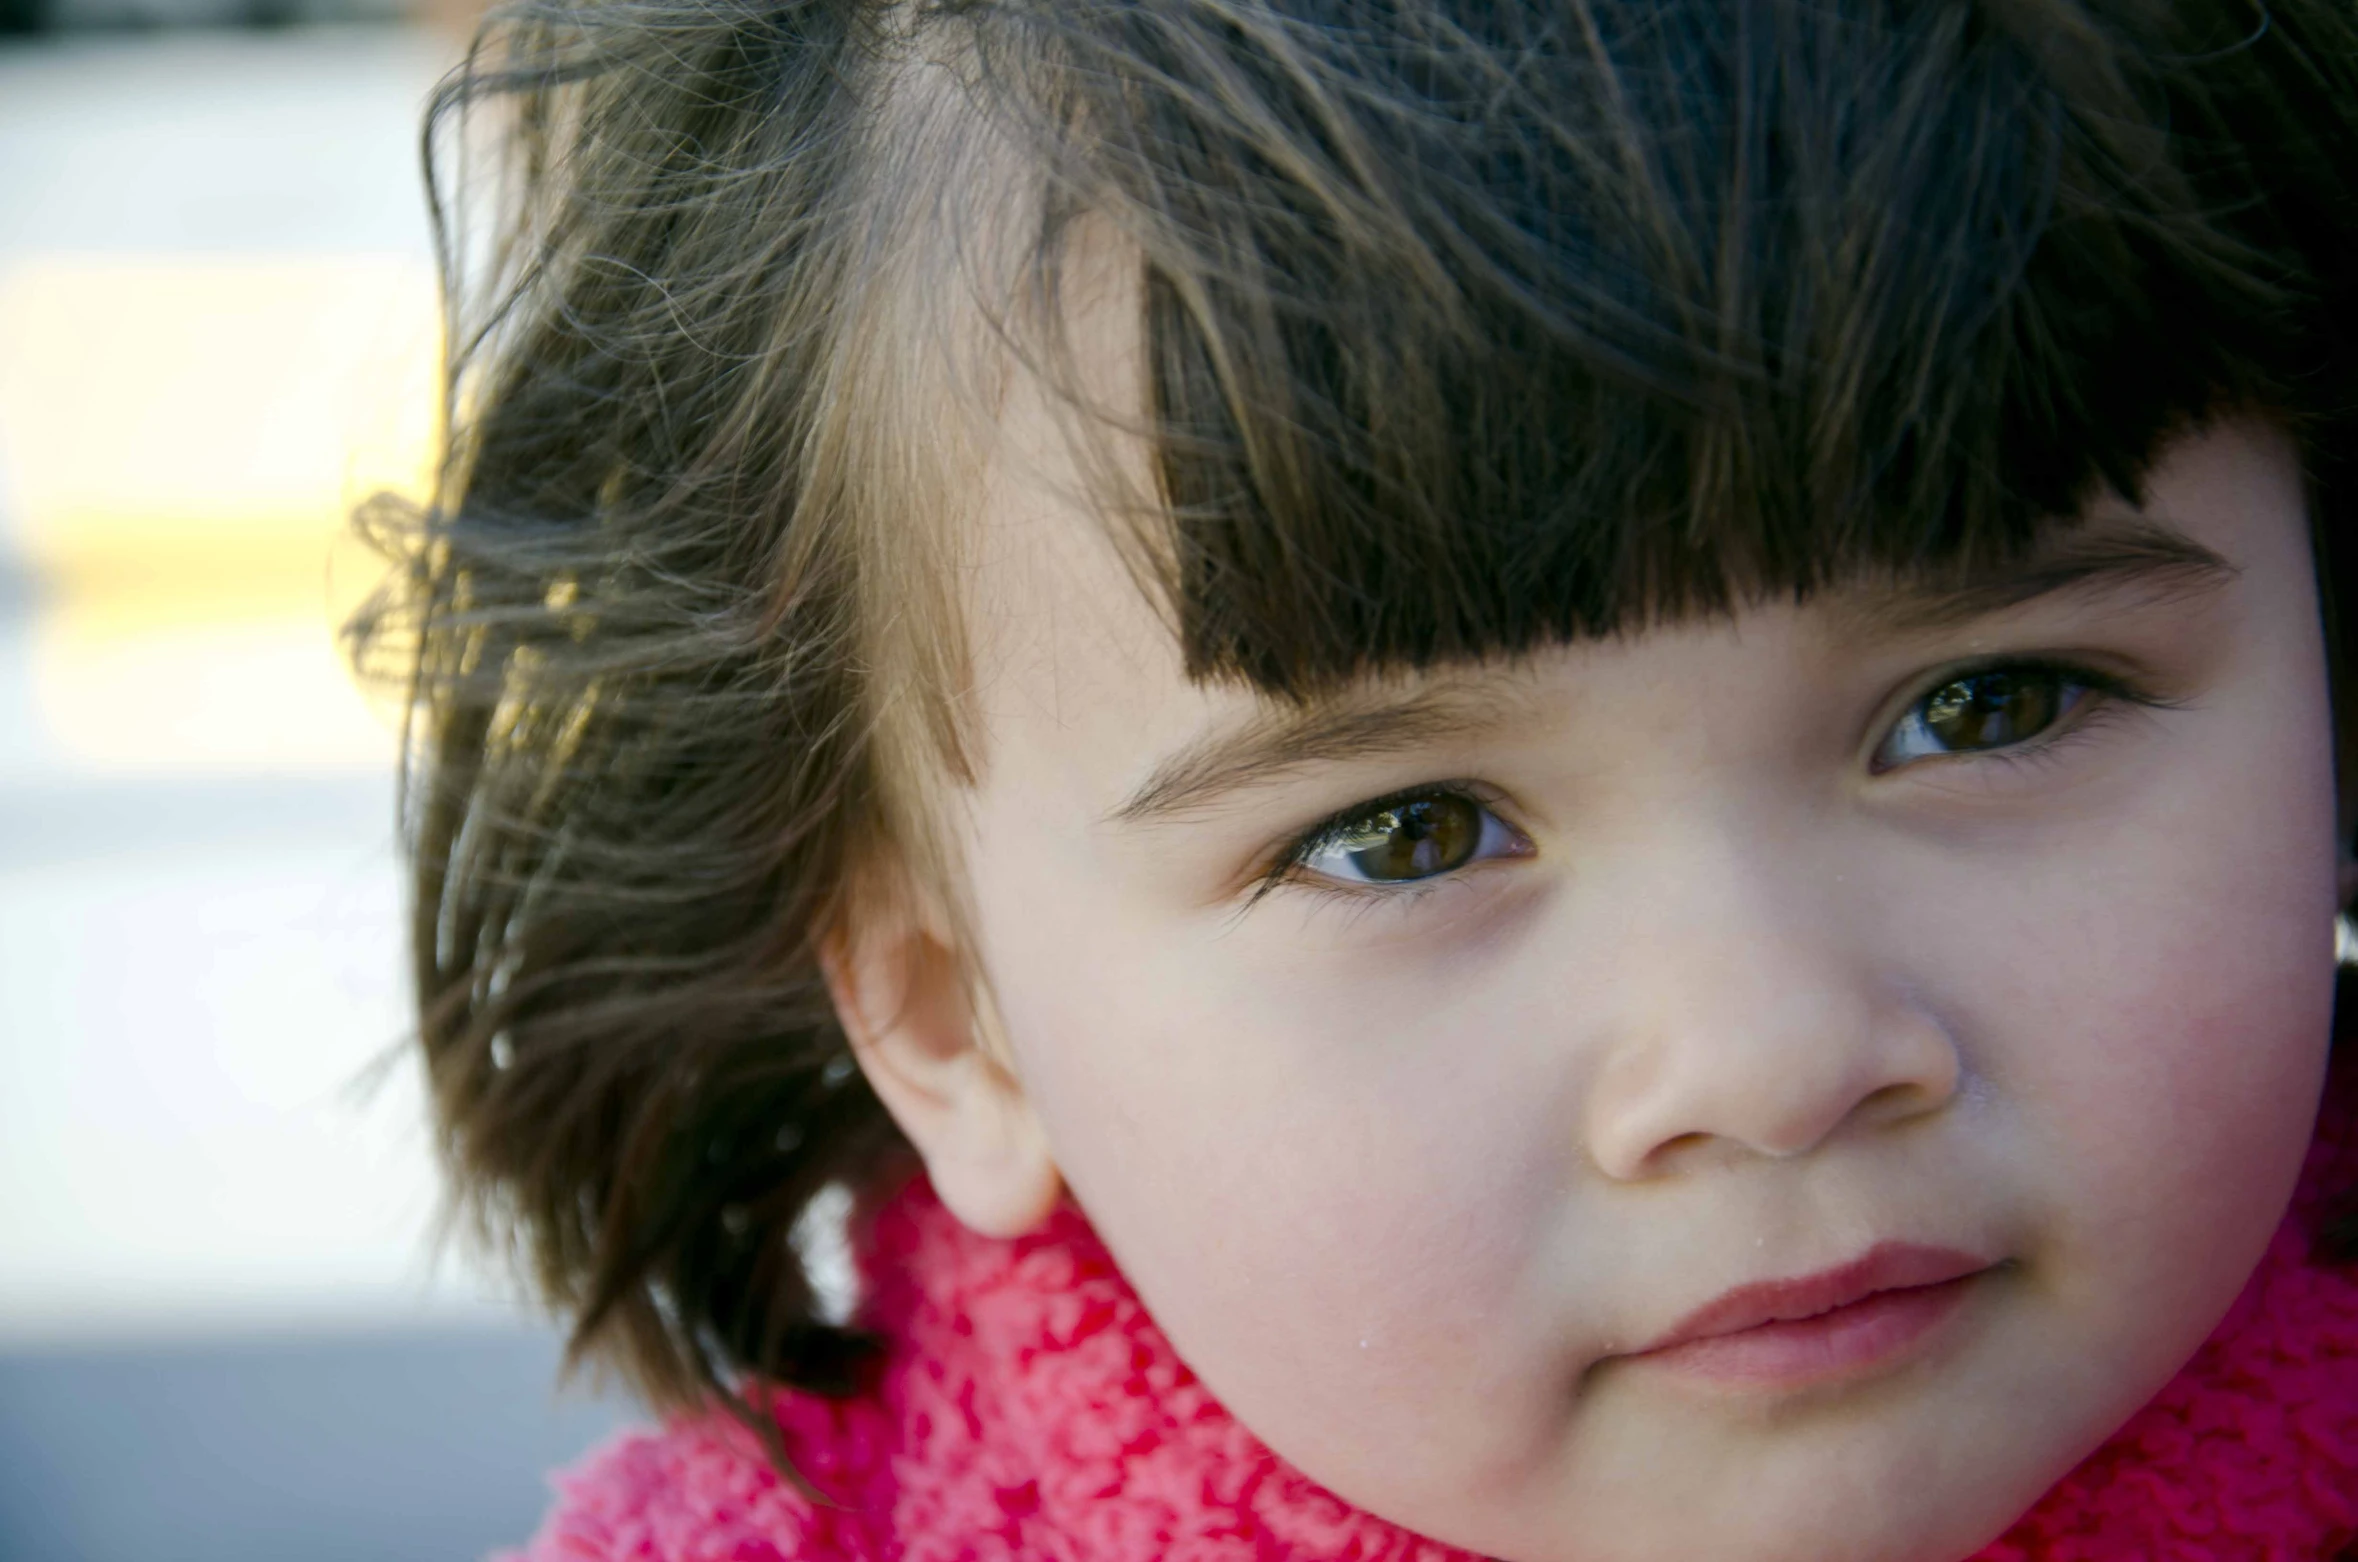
1874,1332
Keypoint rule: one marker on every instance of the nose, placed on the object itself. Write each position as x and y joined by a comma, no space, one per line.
1748,1013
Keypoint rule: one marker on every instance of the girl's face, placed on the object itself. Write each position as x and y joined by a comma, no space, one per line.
1426,1056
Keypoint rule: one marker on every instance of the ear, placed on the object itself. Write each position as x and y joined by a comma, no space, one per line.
940,1069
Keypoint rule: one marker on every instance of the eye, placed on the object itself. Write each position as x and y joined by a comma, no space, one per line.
1402,839
1995,708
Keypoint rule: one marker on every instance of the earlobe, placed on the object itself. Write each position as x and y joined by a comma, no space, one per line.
912,1024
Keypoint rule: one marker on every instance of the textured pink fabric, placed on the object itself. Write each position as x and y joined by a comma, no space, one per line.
1031,1409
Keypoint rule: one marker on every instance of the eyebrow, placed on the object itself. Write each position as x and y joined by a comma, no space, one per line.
2097,558
1274,742
2101,557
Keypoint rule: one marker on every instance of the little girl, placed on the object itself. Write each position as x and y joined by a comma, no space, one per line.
1541,778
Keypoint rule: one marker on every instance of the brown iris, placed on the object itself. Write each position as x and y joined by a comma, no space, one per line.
1412,840
1993,709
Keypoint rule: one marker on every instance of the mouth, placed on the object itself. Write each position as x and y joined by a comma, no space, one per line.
1863,1315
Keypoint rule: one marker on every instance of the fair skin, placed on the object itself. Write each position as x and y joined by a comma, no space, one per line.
1740,953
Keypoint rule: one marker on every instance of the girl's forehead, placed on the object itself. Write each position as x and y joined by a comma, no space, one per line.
1077,528
1073,650
1087,517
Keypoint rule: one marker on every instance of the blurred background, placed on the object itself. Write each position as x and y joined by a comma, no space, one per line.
226,1330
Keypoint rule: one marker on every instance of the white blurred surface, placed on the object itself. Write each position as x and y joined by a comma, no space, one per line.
190,1136
215,331
224,1334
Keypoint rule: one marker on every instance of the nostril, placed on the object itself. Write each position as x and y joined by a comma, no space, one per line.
1668,1154
1900,1101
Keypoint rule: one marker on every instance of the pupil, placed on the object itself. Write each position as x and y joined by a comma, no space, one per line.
1415,840
1991,710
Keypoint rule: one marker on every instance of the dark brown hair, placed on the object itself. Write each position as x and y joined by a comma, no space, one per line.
1472,326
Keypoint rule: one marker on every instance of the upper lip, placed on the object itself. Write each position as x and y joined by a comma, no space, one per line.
1888,1266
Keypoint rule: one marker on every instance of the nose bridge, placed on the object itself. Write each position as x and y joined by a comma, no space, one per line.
1749,1004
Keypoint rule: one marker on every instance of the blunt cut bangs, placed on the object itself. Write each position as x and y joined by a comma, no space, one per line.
1470,327
1478,327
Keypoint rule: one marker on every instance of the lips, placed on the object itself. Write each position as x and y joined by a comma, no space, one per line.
1889,1266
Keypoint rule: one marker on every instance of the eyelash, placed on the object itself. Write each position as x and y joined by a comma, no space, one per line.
2111,692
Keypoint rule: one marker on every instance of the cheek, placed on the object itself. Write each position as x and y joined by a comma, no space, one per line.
1281,1168
2152,1024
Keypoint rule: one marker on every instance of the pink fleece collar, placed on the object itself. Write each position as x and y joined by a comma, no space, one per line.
1032,1410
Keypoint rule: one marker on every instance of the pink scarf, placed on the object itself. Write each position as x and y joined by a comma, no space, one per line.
1031,1409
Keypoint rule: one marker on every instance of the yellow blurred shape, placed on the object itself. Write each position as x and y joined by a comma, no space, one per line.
201,424
194,697
182,440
